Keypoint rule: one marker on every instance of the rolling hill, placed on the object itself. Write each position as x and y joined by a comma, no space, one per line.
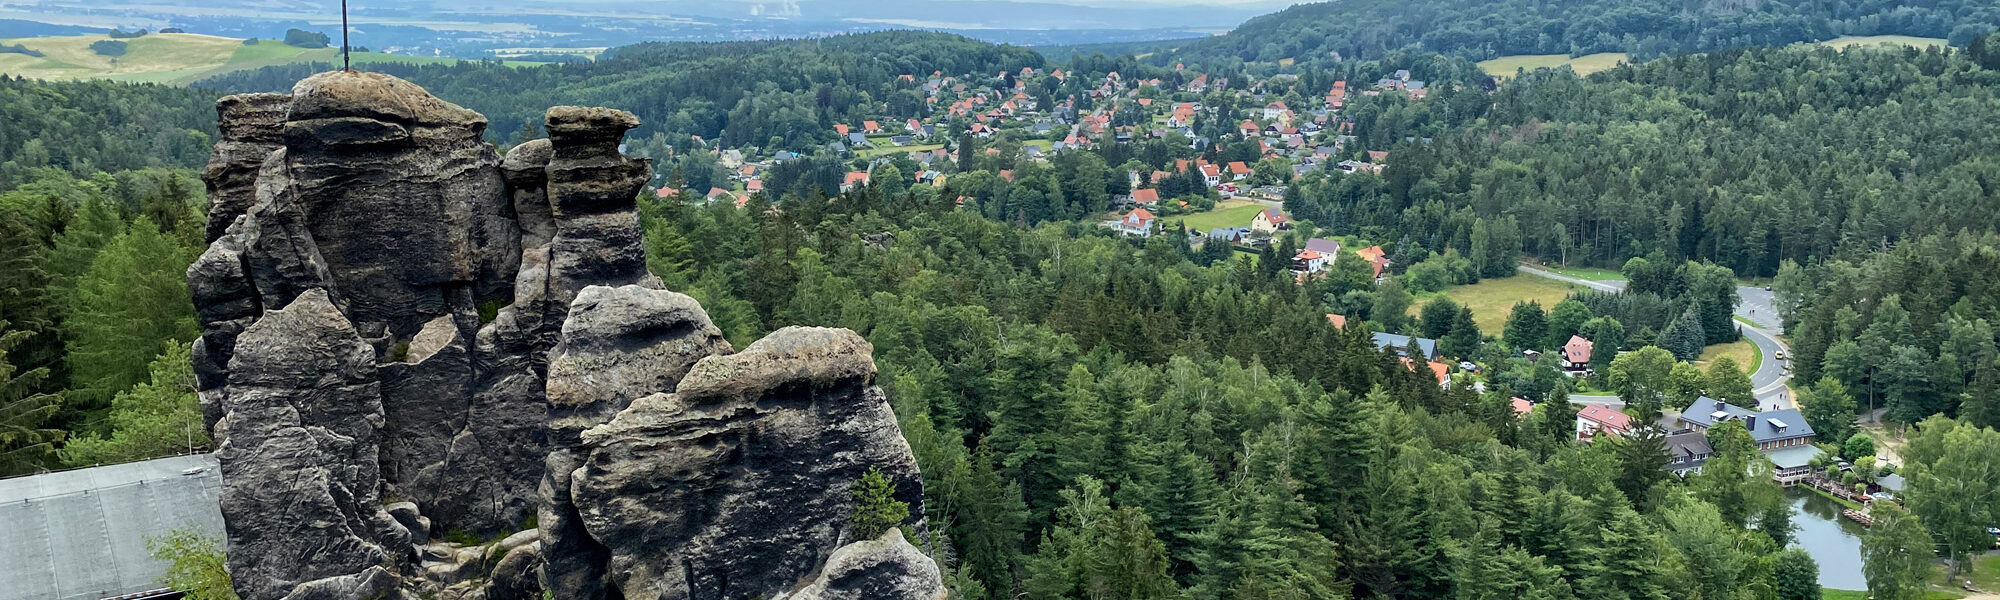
171,58
1485,29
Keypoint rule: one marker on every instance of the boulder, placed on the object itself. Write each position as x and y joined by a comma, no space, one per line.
884,568
739,483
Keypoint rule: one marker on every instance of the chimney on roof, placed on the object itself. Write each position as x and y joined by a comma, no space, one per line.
1750,423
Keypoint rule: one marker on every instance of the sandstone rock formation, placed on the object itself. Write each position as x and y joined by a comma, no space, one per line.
414,348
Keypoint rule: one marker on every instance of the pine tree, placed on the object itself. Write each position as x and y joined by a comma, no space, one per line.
876,509
25,442
1527,327
1463,340
133,299
1435,321
1684,337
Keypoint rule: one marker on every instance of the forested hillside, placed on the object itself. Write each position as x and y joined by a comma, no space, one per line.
786,93
1743,158
84,127
1482,29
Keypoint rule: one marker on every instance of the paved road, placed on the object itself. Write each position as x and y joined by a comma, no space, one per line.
1754,305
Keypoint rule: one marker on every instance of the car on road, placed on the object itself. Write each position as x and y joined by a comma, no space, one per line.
1780,354
1767,288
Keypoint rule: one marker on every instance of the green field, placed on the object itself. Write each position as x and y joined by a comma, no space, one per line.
1882,40
1587,273
172,58
883,147
1583,65
1230,213
1745,353
1492,300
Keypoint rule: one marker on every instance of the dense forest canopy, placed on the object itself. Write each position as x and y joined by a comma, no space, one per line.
1745,158
90,126
1325,32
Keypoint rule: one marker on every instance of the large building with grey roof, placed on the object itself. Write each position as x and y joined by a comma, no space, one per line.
81,535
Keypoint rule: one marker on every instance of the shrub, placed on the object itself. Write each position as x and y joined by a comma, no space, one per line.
108,47
876,509
306,39
195,564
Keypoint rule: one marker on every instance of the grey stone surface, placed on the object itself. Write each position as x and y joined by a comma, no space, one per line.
739,483
252,125
885,568
299,455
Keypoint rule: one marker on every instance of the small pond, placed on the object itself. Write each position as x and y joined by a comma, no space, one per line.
1834,543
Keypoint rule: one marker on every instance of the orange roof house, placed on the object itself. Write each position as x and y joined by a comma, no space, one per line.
1146,196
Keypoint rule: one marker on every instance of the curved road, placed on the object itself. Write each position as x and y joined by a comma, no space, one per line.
1753,307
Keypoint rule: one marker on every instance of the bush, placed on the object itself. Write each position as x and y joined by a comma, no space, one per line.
1858,445
250,42
306,39
195,564
121,35
108,47
19,49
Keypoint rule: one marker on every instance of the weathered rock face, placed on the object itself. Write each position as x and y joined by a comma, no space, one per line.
739,483
391,311
252,125
299,453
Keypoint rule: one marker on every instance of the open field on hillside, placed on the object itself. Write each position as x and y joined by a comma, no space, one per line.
172,58
1229,213
1745,353
1492,300
1882,40
1583,65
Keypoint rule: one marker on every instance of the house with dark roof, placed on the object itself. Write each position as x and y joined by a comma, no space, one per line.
1783,436
1687,452
1401,344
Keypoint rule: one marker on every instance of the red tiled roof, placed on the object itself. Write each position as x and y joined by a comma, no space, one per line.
1521,405
1146,196
1237,167
1606,417
1577,350
1338,321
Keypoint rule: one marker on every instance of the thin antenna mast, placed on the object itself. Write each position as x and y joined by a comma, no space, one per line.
346,51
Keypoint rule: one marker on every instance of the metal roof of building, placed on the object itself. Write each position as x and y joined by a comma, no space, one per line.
81,535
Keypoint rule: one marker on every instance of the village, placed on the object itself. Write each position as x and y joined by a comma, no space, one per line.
1240,204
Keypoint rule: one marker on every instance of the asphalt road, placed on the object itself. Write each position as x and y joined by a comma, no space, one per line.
1753,305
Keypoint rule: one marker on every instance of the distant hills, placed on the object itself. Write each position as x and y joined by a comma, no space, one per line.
1485,29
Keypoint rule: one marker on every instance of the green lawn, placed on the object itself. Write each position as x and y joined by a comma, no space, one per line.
1492,300
1743,351
1586,273
1583,65
1882,40
1230,213
1985,574
883,148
